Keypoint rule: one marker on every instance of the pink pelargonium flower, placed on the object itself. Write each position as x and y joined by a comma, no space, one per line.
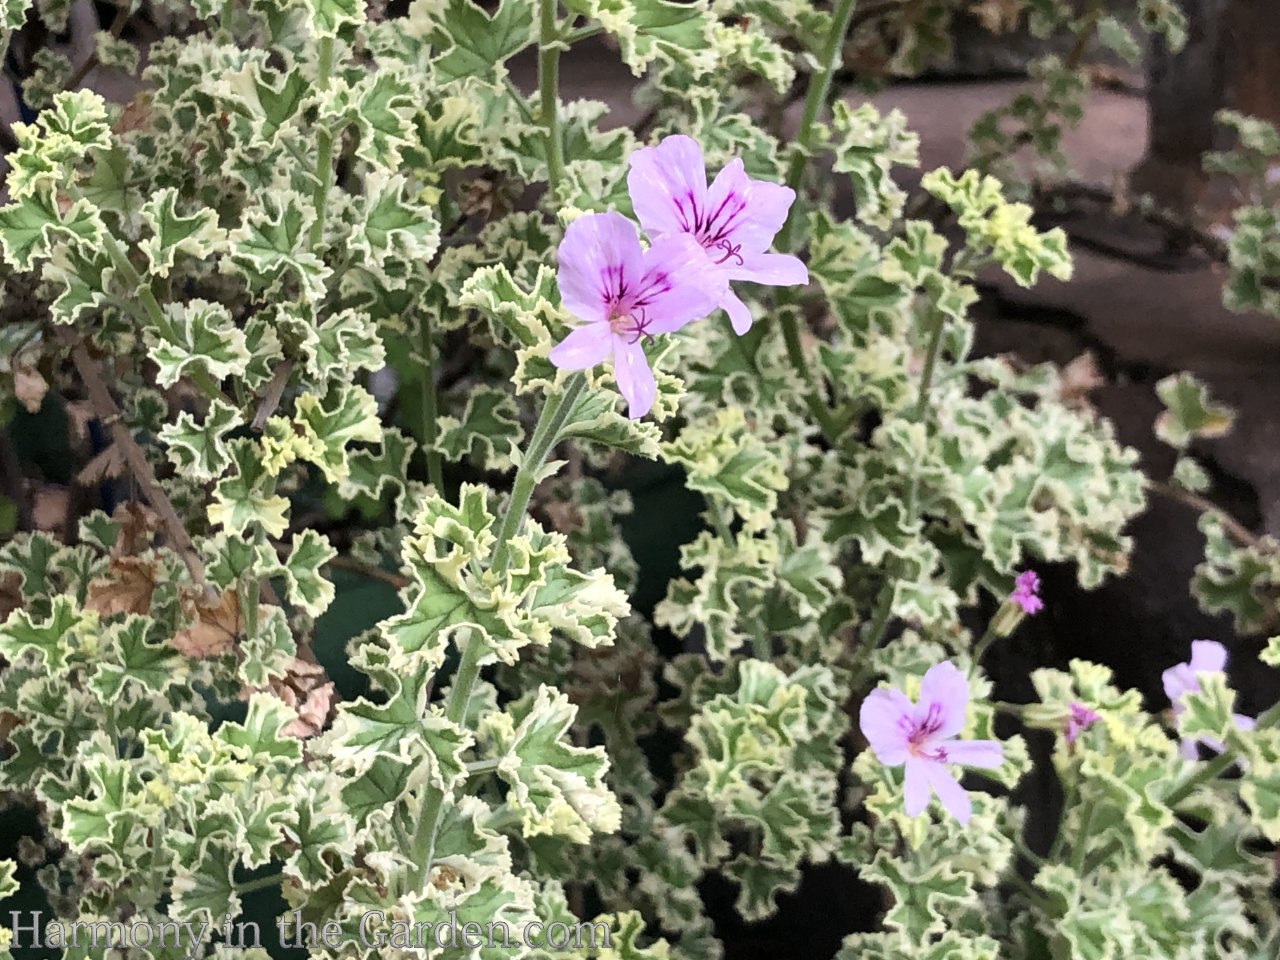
734,220
1026,592
921,736
1207,656
1079,718
626,295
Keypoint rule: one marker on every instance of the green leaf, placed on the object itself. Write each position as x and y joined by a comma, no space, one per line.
197,236
308,587
249,495
346,414
53,639
200,450
992,223
322,828
82,274
477,44
152,666
204,891
1189,413
558,788
394,237
274,242
488,432
385,106
328,18
204,339
867,146
401,732
259,101
260,738
30,226
723,458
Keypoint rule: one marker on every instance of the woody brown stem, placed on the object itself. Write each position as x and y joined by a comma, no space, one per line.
107,411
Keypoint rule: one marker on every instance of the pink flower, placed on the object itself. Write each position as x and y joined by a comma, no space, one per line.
1207,656
1026,592
1079,718
734,221
920,736
625,295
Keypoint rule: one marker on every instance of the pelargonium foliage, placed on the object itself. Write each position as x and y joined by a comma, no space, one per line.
335,307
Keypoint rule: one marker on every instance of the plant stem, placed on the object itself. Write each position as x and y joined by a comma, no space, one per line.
324,151
1209,770
582,33
260,883
815,97
430,414
555,413
478,768
520,102
885,605
795,353
549,47
107,411
980,648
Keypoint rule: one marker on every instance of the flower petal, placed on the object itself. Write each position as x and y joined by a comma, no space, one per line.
584,347
1208,656
1177,681
772,269
753,210
975,753
945,690
949,791
1243,722
598,251
667,183
635,379
915,785
739,315
884,719
679,285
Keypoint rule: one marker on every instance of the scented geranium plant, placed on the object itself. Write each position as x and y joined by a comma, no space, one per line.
334,296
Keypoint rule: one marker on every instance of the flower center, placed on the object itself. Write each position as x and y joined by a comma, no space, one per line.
921,733
624,324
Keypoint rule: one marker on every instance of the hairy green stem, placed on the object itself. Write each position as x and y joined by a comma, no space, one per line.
549,47
324,151
555,414
980,648
815,98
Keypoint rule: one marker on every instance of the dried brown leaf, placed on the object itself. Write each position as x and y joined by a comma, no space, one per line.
127,587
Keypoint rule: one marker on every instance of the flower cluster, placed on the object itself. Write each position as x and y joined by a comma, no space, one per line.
701,238
1026,592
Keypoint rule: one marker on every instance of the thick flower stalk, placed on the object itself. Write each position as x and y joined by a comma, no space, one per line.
625,295
1207,656
921,736
734,220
